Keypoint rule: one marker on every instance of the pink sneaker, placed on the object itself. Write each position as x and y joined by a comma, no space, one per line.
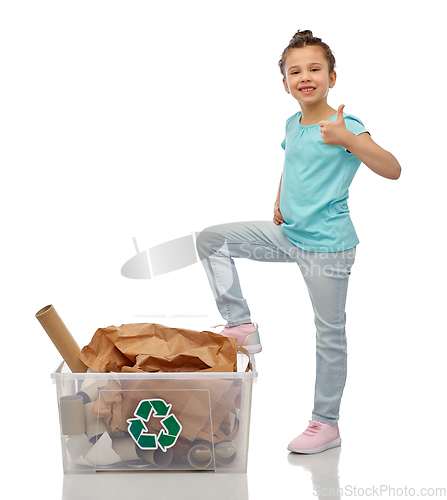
316,438
247,336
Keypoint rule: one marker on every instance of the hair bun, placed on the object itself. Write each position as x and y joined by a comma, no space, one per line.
303,39
301,34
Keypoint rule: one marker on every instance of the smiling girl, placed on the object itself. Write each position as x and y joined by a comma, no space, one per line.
311,227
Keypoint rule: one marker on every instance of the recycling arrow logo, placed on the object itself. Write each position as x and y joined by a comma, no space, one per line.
166,438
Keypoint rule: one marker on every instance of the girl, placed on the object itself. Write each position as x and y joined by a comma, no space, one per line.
311,227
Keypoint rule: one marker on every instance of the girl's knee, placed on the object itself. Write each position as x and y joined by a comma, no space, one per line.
208,239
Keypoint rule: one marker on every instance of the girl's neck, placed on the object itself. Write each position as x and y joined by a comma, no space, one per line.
311,115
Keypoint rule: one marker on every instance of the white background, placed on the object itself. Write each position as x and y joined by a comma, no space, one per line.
152,120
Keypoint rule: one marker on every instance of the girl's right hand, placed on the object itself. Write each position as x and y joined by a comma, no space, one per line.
277,216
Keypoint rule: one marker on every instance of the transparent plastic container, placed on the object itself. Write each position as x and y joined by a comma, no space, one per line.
196,421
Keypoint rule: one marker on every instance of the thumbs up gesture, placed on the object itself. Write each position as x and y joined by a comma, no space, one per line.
334,132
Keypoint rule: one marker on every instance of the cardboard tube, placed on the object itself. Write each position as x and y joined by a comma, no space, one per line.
157,457
78,446
93,426
125,447
90,391
102,453
61,338
200,455
225,452
72,415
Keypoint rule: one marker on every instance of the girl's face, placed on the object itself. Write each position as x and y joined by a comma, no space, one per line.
307,75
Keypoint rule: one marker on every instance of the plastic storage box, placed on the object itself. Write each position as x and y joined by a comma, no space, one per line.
171,421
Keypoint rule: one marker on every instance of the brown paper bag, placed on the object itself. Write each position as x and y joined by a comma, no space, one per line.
151,347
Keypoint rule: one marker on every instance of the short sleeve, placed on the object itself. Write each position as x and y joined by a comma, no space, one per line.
283,143
354,125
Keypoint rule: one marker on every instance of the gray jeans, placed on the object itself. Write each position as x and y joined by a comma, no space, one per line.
326,275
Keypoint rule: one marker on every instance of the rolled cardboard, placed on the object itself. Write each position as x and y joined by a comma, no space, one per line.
93,426
157,457
200,455
61,338
125,447
90,389
102,453
78,446
72,415
225,452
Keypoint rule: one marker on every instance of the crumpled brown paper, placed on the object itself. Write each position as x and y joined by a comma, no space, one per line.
207,408
150,347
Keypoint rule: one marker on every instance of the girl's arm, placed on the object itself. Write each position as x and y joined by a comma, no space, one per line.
372,155
277,216
362,146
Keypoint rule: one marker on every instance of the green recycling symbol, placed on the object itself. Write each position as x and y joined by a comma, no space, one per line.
166,438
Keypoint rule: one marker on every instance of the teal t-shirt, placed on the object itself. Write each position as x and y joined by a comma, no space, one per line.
315,187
